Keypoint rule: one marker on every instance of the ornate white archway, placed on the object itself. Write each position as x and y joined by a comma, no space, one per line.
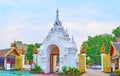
49,49
57,37
53,54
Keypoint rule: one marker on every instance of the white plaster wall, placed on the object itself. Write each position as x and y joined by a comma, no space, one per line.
71,60
27,67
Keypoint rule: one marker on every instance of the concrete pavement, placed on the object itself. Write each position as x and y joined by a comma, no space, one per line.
95,72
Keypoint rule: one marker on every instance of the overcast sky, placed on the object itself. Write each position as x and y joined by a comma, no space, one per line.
30,20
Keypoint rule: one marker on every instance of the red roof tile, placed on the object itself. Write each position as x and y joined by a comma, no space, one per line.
4,51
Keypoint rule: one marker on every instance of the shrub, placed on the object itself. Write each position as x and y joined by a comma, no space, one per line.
37,68
60,73
69,70
64,69
117,72
75,71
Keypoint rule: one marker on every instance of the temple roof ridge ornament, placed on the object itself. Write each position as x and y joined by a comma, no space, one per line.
66,32
35,50
14,44
72,40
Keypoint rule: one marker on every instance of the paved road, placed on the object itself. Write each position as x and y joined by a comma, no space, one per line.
45,75
95,72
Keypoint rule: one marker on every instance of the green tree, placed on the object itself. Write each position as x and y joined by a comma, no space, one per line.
116,32
29,54
30,48
93,45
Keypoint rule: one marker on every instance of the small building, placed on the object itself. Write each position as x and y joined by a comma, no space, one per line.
8,56
14,58
115,55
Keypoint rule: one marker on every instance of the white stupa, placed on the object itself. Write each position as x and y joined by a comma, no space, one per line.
57,49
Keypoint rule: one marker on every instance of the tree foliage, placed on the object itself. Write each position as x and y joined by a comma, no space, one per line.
37,69
93,45
29,54
30,49
116,32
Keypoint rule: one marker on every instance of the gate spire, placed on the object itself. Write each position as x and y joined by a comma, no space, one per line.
57,22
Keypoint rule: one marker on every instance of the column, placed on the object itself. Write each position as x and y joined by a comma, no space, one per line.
85,60
119,63
102,61
23,60
5,60
35,58
113,66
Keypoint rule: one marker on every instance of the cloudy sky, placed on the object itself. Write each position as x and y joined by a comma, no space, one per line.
30,20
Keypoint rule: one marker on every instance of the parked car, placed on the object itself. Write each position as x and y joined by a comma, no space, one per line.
96,67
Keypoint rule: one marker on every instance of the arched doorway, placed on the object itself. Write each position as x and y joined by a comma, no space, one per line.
53,58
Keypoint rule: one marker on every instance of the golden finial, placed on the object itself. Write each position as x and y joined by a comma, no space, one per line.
102,49
14,44
83,48
35,50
